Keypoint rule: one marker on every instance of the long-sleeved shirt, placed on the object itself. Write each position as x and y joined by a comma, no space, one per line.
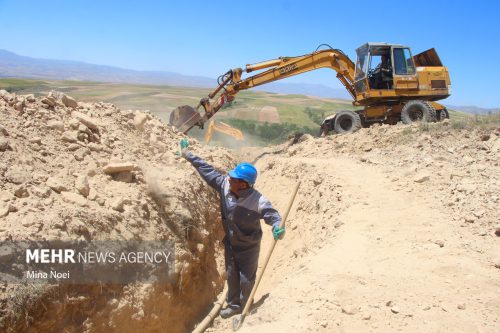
240,215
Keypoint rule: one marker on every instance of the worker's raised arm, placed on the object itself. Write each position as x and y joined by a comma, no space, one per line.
206,171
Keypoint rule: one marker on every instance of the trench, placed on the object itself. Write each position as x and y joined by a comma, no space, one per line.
192,218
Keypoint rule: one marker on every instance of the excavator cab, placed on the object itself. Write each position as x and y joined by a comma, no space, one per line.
382,66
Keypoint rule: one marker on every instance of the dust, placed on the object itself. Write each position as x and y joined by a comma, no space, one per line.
153,177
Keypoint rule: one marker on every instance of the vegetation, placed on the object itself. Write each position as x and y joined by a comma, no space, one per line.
467,122
483,121
296,113
270,133
22,85
316,115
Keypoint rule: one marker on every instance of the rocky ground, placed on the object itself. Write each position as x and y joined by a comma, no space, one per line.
393,229
90,171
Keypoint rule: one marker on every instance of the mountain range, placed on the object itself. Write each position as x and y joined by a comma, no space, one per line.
17,66
14,65
473,109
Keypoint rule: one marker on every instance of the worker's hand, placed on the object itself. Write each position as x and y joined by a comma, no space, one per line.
184,143
278,233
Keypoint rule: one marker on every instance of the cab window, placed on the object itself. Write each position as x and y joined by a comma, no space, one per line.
403,62
361,64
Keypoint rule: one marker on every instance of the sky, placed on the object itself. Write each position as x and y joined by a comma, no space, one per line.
207,38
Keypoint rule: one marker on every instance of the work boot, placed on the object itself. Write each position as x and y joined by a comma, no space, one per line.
229,312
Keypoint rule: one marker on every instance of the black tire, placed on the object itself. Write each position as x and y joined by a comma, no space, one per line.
442,114
347,121
414,111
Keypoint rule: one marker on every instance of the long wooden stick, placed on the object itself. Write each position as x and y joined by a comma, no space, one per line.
202,326
238,322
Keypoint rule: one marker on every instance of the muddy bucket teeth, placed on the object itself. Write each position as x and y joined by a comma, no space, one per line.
184,118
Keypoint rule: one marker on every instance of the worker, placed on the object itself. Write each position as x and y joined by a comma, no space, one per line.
242,207
383,73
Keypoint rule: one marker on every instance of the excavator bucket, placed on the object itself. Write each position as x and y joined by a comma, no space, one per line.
184,118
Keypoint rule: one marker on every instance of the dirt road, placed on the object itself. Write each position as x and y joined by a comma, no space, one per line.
390,258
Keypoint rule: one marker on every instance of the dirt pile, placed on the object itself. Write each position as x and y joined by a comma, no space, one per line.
393,230
458,167
89,171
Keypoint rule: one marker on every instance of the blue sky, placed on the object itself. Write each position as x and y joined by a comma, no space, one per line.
209,37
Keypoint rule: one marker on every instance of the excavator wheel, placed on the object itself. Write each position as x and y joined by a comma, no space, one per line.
442,114
347,121
418,111
184,117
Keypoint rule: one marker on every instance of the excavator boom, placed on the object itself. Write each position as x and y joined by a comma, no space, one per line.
284,67
186,117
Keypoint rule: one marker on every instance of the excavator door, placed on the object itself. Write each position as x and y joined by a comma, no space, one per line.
405,75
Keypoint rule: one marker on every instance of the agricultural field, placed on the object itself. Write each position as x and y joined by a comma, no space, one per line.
162,99
263,117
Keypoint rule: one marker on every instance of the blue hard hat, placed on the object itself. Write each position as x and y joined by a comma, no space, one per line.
244,171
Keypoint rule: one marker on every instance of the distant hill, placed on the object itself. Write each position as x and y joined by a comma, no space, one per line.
473,109
13,65
16,66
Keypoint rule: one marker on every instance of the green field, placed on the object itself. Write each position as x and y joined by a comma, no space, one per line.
296,113
162,99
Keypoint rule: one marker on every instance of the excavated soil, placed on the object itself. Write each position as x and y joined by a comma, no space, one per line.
393,229
93,172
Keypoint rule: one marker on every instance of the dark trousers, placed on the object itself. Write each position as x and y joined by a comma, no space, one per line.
241,270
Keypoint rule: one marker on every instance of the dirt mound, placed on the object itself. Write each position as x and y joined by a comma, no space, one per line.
459,167
73,170
393,230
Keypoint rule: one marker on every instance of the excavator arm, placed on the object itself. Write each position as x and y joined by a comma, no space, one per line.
186,117
222,128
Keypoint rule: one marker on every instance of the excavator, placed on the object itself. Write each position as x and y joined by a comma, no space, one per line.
387,82
222,127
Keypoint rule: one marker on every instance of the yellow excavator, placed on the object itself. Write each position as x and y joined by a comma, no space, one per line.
222,128
388,83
